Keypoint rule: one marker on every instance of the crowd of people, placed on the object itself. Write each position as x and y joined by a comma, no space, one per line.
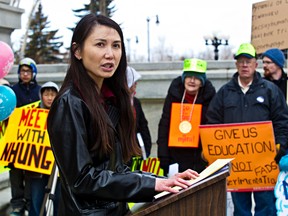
95,117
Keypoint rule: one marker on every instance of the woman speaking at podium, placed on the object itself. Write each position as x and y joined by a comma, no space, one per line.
92,130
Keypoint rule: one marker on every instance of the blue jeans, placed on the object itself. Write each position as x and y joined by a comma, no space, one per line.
264,203
38,190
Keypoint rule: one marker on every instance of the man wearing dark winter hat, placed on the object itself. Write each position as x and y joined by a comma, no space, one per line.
273,64
247,97
26,91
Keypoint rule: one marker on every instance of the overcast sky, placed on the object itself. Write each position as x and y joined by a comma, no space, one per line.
183,23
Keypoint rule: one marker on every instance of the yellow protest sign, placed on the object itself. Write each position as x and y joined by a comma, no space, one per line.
151,165
26,141
3,126
3,169
32,105
253,147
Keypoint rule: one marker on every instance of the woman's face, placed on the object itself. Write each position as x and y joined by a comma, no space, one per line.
192,84
101,53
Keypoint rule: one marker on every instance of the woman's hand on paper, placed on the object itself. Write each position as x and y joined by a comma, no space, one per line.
179,179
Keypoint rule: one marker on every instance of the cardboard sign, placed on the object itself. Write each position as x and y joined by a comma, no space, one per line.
26,141
269,25
253,147
176,137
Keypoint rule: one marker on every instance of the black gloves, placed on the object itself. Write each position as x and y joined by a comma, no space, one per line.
10,165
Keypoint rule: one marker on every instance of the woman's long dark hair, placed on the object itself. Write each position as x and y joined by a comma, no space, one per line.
90,92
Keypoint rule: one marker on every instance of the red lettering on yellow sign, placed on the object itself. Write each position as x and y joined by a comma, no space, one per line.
151,165
31,117
26,142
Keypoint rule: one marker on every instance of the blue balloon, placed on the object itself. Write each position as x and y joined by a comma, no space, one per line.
7,102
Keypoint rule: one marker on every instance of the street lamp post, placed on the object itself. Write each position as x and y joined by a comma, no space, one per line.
148,34
129,47
216,42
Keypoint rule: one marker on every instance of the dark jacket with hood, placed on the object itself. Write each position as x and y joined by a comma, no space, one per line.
91,184
26,93
262,102
185,157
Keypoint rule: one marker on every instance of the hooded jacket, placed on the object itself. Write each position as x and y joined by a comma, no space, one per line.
26,94
91,184
185,157
49,84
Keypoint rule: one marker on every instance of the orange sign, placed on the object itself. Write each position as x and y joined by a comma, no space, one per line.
253,147
191,138
26,141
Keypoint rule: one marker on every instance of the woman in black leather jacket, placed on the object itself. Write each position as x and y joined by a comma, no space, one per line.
92,129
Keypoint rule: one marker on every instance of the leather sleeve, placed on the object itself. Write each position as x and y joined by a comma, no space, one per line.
68,126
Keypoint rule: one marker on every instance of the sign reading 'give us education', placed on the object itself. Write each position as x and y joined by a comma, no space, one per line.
26,142
252,146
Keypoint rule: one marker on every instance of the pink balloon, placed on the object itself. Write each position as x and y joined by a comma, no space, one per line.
6,59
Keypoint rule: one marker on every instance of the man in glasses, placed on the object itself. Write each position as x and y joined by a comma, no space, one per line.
247,97
26,91
273,64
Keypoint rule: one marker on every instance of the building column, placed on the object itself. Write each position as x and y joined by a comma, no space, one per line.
10,20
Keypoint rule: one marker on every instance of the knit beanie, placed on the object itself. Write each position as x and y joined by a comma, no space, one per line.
195,67
276,55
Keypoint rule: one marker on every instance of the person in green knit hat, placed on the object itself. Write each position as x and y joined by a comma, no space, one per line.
192,87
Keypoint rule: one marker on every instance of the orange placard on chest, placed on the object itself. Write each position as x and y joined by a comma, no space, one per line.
184,125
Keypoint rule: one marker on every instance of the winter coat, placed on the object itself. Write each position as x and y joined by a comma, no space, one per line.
262,102
91,183
142,125
26,94
185,157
